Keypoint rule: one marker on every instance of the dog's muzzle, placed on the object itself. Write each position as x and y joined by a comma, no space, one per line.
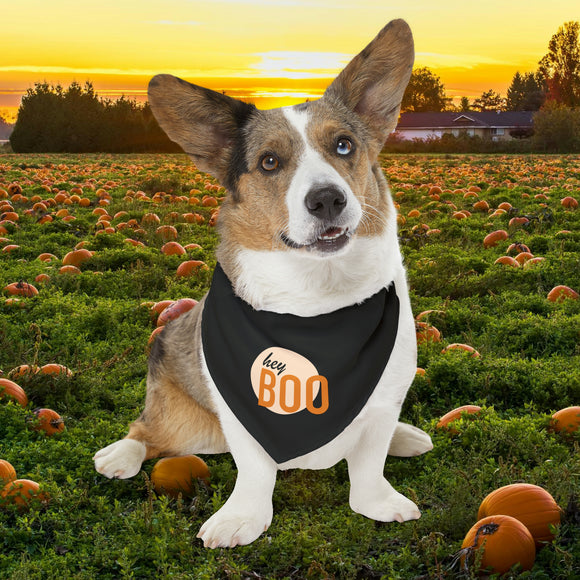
326,204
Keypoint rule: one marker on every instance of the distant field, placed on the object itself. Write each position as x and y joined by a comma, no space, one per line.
97,323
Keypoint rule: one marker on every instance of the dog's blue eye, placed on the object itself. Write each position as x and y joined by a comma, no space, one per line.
269,163
344,146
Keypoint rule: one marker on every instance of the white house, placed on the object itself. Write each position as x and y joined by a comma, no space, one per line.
500,125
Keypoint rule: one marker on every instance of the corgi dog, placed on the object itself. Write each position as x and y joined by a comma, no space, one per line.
308,247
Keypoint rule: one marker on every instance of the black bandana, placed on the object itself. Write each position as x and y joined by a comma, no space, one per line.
294,382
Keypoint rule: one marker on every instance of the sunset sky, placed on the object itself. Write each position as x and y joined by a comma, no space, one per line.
273,52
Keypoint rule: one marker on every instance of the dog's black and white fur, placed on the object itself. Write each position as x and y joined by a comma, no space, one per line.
308,227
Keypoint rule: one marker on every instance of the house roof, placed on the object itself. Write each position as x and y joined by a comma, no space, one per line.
448,119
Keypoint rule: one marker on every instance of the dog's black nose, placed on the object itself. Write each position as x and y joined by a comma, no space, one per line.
325,202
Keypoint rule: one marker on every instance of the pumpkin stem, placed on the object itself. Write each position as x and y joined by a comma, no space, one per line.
461,559
464,555
485,530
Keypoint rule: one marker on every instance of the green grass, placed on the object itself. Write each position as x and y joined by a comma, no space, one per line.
95,324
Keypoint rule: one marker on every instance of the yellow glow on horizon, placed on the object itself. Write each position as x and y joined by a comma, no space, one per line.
270,51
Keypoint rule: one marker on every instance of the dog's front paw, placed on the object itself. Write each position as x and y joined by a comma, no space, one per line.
121,459
384,505
229,527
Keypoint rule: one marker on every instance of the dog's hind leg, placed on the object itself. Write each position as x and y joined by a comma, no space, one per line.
409,441
173,423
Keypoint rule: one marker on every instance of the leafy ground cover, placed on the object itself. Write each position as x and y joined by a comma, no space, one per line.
98,323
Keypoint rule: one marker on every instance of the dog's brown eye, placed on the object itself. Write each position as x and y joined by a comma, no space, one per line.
269,163
344,146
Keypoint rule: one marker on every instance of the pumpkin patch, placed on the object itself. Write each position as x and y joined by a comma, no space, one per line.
136,219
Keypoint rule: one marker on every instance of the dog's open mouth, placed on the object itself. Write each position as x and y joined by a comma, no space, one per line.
330,240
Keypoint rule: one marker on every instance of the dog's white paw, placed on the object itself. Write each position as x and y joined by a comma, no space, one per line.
121,459
385,505
229,527
409,441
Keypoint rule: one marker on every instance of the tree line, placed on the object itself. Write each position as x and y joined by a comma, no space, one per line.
556,80
77,120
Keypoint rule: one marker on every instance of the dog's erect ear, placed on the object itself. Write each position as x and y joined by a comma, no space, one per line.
206,124
373,83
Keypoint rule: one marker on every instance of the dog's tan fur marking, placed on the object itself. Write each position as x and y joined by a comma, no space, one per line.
247,223
364,178
179,416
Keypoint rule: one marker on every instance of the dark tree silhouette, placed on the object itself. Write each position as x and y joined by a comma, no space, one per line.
526,92
425,92
76,120
560,67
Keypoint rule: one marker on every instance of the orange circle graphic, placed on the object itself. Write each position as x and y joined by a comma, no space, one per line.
283,380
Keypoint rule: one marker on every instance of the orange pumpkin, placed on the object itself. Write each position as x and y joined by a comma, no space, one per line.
171,248
21,492
426,313
159,307
503,542
21,289
175,310
150,218
481,205
77,257
10,389
456,414
175,475
190,267
561,292
569,202
518,221
494,238
155,332
566,420
47,257
459,346
530,504
166,232
507,261
214,218
23,370
55,369
426,333
134,242
48,421
523,257
7,472
209,201
533,261
517,247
